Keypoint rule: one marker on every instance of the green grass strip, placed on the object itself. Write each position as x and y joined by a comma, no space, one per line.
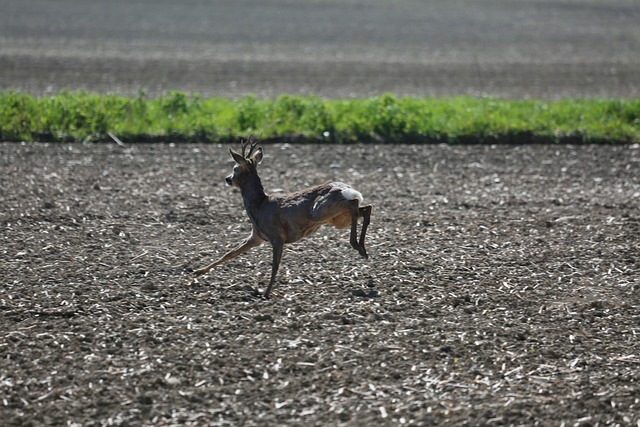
85,117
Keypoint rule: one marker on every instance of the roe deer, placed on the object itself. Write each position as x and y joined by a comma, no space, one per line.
287,218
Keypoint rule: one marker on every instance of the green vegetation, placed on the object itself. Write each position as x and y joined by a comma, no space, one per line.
81,116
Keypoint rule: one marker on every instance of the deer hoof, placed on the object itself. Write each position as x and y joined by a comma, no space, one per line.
363,252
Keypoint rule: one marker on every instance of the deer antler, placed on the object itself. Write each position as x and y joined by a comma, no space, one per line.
252,146
244,146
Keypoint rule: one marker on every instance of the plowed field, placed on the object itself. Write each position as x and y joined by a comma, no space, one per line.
502,288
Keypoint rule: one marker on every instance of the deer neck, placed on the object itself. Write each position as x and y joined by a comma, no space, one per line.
253,195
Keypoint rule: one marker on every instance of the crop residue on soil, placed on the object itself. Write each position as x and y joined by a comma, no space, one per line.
502,287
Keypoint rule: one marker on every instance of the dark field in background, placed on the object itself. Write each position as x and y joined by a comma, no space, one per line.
506,48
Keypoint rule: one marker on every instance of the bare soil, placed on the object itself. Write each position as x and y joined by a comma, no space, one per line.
502,288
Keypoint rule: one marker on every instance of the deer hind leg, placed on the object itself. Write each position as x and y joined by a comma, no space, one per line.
342,213
251,242
278,246
365,213
357,212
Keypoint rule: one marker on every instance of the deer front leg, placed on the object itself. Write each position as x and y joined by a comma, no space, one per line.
278,246
251,242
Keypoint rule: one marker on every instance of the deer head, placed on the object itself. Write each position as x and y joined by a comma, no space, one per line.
246,164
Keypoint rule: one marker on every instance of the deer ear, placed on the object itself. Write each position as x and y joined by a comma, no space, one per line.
237,157
256,158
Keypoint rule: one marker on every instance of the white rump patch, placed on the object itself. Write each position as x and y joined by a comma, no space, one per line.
347,192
